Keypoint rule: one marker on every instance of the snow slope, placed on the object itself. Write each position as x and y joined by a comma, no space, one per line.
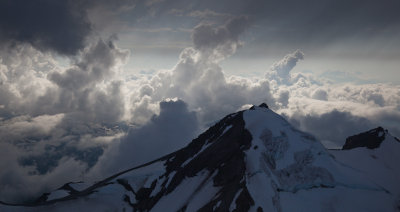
381,164
296,173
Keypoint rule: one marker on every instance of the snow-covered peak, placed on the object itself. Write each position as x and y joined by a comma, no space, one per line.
252,160
292,162
273,134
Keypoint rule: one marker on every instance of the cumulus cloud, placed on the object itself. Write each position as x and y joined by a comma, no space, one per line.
17,182
199,80
33,83
173,128
334,126
19,128
280,71
320,94
57,121
88,87
332,112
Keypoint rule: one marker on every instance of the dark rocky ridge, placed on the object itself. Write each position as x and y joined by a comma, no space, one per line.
264,105
219,151
223,159
371,139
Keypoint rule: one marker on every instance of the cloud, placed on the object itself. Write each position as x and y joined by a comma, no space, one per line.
54,120
18,184
59,26
280,70
283,98
320,94
19,128
198,79
32,83
332,112
96,65
207,13
23,79
89,87
334,126
173,128
308,25
224,38
64,27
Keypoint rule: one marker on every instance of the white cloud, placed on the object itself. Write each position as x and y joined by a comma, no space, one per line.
16,182
198,79
280,71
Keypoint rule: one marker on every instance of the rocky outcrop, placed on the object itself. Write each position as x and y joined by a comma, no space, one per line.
371,139
219,152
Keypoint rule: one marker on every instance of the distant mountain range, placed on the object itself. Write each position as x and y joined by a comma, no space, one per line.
251,160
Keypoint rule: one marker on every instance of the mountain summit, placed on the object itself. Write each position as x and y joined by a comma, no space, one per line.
252,160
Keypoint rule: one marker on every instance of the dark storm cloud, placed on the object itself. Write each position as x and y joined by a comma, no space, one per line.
61,26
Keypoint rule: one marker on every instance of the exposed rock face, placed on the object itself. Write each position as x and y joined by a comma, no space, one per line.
263,105
219,152
371,139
